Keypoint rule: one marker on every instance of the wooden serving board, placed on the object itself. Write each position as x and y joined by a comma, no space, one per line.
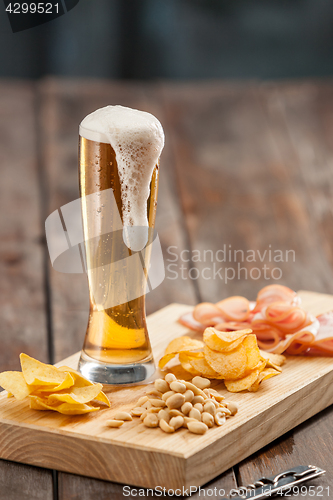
136,455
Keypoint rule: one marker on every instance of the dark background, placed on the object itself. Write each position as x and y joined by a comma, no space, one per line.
181,39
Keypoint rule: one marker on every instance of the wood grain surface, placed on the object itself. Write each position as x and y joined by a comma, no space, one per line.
149,458
248,164
22,298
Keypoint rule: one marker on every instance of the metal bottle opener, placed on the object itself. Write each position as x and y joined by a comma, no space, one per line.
267,487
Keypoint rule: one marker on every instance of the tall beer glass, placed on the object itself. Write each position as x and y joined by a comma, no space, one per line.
116,349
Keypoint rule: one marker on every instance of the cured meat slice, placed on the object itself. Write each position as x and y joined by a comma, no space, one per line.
277,319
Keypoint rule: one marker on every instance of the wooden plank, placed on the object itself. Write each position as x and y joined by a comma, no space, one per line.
299,117
64,104
309,443
22,305
239,187
23,482
181,459
23,324
72,487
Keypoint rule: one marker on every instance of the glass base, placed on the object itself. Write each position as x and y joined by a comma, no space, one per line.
105,373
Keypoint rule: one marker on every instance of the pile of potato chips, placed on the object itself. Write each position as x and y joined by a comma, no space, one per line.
49,388
232,356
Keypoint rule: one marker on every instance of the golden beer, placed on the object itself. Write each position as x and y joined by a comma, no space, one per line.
116,347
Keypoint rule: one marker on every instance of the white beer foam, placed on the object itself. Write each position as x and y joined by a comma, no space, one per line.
137,138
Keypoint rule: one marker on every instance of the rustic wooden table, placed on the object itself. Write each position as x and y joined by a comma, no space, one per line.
245,164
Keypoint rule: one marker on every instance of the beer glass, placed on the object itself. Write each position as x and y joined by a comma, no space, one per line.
116,349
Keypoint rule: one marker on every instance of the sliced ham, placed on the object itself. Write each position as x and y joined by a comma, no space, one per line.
323,344
234,308
188,321
208,314
276,318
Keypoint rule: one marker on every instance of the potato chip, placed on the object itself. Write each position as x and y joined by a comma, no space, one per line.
165,359
261,365
59,389
232,356
77,395
177,345
252,352
38,373
79,380
102,398
243,383
184,343
37,403
184,360
180,372
229,365
264,375
222,340
65,384
68,409
273,360
201,366
215,342
14,383
277,359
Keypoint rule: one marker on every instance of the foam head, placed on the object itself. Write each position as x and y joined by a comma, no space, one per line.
137,139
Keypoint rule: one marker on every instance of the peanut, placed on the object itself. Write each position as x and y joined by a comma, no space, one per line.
154,393
137,411
175,413
187,420
209,407
220,418
197,399
198,406
161,385
166,395
197,427
142,400
164,414
166,427
151,410
151,420
158,403
176,422
225,411
186,408
122,415
175,401
208,419
232,407
202,383
114,423
178,387
196,391
216,395
189,395
194,413
169,377
147,405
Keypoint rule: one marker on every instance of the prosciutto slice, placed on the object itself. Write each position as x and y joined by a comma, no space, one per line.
277,319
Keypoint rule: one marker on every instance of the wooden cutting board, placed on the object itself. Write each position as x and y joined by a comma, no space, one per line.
136,455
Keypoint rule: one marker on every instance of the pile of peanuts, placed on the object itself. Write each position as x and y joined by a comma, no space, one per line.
173,404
